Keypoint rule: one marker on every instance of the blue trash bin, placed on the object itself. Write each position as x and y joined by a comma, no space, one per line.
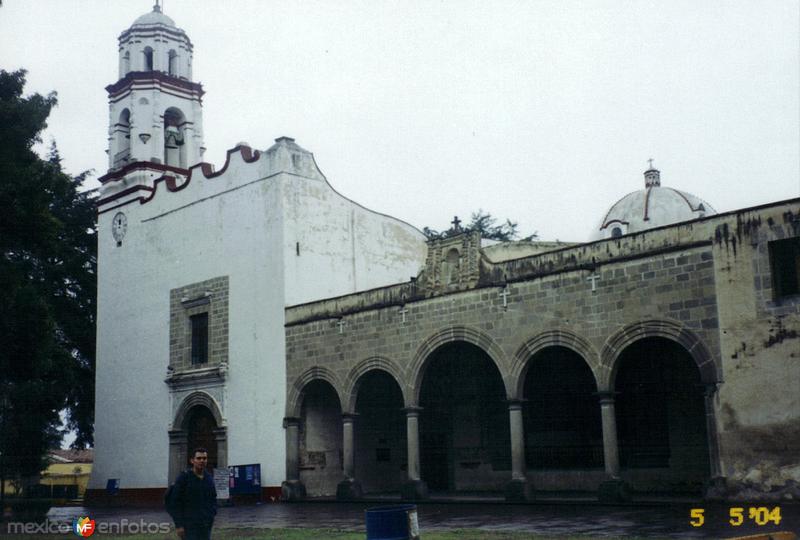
393,522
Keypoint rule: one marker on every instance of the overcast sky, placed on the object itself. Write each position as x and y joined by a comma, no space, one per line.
544,112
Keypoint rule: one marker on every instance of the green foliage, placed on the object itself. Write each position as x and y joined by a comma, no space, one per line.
47,288
484,223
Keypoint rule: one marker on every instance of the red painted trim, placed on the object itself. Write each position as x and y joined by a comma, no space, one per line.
247,153
147,76
271,493
136,498
138,165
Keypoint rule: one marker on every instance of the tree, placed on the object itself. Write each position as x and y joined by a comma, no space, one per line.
47,289
484,223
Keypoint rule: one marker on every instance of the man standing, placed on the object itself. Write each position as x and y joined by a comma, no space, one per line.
192,500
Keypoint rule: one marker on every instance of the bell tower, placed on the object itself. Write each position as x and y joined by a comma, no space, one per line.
155,109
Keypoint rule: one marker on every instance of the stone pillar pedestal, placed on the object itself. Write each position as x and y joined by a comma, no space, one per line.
716,488
349,488
519,489
613,489
292,489
415,488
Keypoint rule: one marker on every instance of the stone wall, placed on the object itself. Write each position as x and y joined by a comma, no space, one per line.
703,284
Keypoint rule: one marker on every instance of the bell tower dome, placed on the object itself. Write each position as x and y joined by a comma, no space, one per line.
155,109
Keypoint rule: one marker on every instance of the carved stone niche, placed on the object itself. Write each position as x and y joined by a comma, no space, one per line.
453,263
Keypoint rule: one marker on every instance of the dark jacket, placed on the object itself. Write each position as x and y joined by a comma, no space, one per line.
193,501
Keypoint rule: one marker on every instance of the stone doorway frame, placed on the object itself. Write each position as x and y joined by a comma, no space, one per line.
179,436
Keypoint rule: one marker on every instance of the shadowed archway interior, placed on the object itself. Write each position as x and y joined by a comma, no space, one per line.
199,427
661,417
561,412
380,434
320,439
464,425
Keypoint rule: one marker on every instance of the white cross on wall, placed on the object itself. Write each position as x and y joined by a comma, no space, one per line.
593,278
403,313
341,324
505,294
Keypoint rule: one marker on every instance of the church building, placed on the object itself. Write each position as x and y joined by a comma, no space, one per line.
255,311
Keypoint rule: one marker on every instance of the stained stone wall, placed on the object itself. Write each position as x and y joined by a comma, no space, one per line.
704,284
209,296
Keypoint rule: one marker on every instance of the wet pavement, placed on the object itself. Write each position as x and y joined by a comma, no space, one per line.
656,520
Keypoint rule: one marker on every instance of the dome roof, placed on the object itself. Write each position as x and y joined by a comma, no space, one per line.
154,17
652,207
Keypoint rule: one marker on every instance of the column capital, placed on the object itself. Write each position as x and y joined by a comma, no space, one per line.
349,418
291,421
606,397
412,411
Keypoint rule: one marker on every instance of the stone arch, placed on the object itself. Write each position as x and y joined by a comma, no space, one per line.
558,337
294,399
353,380
172,63
450,335
179,433
175,138
192,400
147,59
672,330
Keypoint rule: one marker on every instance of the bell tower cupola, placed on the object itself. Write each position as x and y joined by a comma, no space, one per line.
155,109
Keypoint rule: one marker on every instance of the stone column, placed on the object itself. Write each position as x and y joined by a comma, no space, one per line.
717,486
613,489
178,459
518,489
610,444
415,488
349,488
221,438
292,489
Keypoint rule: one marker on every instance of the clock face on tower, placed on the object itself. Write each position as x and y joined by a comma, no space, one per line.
118,226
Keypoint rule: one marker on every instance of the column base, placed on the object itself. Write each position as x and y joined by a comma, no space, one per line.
414,490
614,491
519,491
293,490
716,489
348,490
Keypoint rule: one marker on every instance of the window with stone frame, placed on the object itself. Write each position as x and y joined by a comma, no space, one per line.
199,331
199,325
784,258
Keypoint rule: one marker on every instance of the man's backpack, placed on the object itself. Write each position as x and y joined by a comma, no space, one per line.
174,497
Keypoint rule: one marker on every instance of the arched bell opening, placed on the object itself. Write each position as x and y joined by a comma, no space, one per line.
174,138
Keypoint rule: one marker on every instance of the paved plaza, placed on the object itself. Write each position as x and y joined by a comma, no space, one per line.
660,521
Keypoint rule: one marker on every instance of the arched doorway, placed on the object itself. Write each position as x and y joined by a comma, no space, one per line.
464,431
380,433
200,428
563,429
320,439
660,415
198,422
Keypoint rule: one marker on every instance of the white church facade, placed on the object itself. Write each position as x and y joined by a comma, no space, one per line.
255,311
189,253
